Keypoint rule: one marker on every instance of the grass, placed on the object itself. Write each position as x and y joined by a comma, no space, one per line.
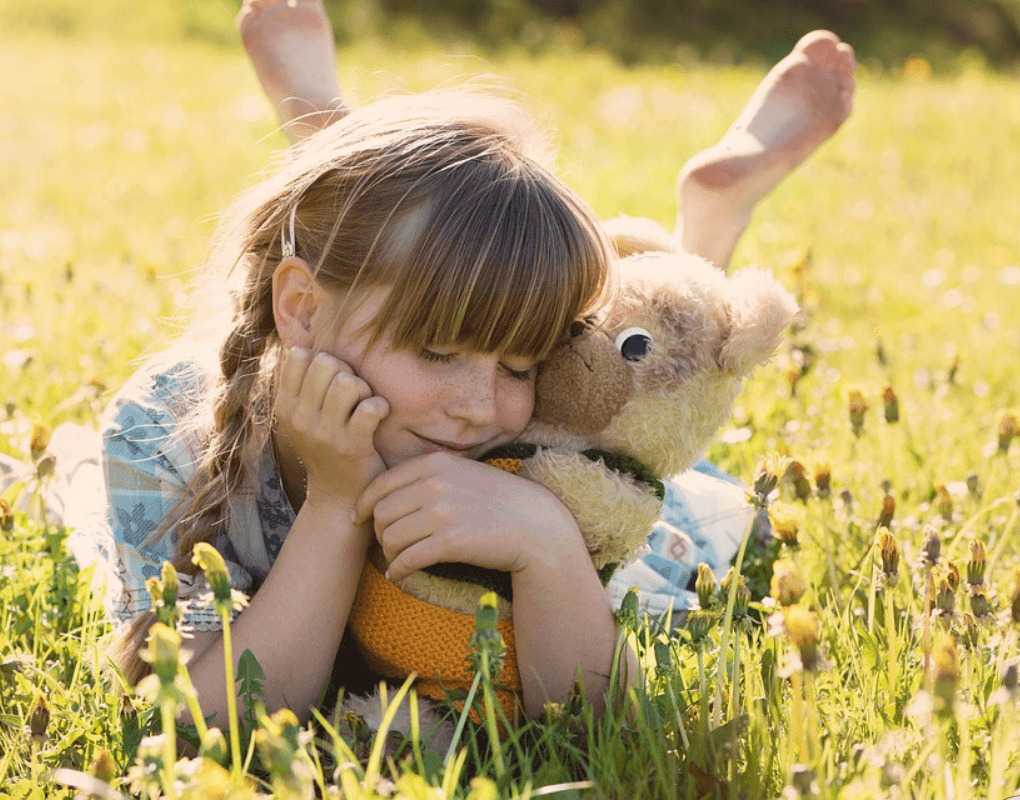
901,242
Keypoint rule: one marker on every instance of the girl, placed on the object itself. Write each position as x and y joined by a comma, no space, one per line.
393,289
224,436
798,105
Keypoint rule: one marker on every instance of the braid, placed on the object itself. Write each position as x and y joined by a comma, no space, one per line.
240,416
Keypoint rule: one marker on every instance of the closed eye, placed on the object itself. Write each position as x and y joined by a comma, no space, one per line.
519,375
446,358
442,358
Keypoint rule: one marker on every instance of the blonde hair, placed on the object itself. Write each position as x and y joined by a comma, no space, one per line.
441,196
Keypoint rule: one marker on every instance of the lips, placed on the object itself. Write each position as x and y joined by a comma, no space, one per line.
461,448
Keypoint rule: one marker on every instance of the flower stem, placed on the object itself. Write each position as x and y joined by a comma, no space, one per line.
191,698
797,731
235,739
452,749
168,717
490,717
997,768
963,766
892,647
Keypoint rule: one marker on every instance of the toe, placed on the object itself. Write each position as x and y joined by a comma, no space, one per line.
846,99
249,9
846,53
820,45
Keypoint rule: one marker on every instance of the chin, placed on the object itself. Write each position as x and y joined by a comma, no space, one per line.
391,459
391,456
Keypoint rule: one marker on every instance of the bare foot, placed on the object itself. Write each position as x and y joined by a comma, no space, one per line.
801,102
290,44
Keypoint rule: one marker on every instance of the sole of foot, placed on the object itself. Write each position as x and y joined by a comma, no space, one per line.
290,44
800,103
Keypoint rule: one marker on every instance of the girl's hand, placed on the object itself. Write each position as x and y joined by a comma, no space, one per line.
329,416
441,508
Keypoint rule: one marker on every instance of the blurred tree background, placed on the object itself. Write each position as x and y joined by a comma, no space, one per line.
946,33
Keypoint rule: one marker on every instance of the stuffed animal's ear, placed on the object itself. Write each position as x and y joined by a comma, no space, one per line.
633,235
759,309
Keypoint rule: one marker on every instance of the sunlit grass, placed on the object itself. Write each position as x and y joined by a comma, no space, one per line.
901,240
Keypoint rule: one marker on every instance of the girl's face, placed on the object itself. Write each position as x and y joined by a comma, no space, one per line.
446,398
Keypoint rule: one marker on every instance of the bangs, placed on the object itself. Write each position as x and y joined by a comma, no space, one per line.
503,261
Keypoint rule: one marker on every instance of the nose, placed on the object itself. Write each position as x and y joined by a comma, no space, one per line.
475,397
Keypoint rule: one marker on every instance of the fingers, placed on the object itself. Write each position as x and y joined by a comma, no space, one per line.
295,365
423,553
848,53
321,383
322,370
367,416
403,533
305,376
403,474
343,392
395,506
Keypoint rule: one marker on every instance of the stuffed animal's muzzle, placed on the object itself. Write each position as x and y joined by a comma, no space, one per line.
583,384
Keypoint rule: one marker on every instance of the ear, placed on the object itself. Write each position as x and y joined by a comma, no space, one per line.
296,295
633,235
759,310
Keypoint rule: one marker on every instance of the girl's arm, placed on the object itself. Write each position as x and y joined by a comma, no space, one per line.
296,620
441,508
564,623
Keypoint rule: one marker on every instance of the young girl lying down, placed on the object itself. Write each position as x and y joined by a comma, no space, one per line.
375,314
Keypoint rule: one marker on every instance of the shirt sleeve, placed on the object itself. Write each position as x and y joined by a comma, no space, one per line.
704,517
146,472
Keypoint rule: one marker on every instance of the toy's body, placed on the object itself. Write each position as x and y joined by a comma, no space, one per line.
633,397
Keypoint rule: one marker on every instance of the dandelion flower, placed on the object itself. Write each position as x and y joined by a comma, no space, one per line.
890,553
857,407
787,586
802,630
785,523
977,563
890,405
705,585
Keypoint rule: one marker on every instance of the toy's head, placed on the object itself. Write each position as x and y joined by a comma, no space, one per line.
656,373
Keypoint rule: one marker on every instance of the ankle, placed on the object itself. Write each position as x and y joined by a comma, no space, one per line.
714,237
301,118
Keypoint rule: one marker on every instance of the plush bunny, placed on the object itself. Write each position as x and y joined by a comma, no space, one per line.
631,398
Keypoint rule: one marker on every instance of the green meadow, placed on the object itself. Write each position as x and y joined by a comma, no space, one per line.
893,674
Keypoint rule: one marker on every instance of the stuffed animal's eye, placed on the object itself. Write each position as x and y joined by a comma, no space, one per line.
633,343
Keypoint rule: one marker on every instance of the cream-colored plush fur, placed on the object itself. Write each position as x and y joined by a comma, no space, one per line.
454,595
632,235
436,732
671,429
614,511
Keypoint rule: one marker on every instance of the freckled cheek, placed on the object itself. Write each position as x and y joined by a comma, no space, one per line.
412,396
518,405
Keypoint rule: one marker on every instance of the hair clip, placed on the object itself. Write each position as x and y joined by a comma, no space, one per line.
289,244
